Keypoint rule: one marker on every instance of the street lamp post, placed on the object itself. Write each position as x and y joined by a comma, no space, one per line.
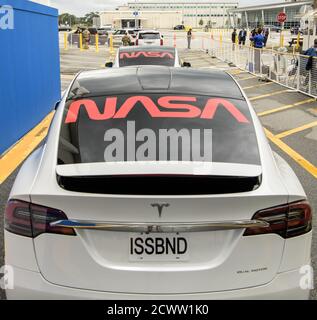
135,21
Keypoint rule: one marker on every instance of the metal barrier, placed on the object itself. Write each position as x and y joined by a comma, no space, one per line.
291,70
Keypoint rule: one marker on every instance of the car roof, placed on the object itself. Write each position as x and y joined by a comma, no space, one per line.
144,48
153,79
149,31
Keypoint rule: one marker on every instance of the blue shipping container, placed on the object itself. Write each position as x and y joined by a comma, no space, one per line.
29,67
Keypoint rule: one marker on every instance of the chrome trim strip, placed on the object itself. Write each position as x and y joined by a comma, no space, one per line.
162,227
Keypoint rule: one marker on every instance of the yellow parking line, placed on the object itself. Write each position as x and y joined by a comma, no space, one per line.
236,72
268,95
258,85
265,113
15,156
293,154
246,78
295,130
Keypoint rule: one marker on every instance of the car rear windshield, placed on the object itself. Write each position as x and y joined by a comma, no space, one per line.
157,127
146,57
120,32
149,36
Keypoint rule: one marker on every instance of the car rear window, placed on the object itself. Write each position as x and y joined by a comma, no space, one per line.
157,127
149,36
120,32
145,57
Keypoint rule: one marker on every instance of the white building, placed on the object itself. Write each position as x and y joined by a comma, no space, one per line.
145,19
168,13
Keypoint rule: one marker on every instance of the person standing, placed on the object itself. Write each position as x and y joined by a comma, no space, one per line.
86,38
312,51
126,41
258,41
266,36
233,38
242,37
311,64
189,37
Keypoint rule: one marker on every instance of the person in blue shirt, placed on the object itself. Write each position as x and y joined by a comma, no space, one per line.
258,39
312,52
311,65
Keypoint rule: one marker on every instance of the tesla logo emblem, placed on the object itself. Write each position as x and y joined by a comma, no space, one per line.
160,207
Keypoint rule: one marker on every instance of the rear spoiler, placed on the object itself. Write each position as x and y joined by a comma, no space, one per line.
169,180
159,168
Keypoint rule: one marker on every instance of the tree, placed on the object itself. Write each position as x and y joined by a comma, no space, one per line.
70,19
201,22
90,16
67,19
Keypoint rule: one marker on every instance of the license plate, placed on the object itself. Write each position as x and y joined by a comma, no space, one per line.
158,247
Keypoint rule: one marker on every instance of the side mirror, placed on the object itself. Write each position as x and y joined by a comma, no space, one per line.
109,64
186,64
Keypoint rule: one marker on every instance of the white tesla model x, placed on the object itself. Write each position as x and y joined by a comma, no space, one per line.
156,183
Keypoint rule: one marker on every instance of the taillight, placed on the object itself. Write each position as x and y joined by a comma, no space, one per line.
289,220
162,42
30,220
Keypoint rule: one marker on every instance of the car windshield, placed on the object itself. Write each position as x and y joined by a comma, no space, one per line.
147,57
120,32
149,35
157,127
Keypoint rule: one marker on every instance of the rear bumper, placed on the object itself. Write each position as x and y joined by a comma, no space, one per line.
31,285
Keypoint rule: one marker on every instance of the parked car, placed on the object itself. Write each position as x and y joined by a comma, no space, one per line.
64,28
118,35
296,30
273,28
73,39
179,27
103,31
93,31
149,37
147,55
156,182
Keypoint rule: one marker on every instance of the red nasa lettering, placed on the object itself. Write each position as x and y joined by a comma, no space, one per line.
173,103
146,54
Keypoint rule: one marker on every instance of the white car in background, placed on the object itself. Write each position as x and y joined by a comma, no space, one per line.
147,55
118,35
149,37
104,209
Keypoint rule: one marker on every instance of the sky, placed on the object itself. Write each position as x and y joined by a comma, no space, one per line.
80,7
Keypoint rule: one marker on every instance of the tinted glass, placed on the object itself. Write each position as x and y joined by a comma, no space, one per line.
149,36
132,58
157,127
120,32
